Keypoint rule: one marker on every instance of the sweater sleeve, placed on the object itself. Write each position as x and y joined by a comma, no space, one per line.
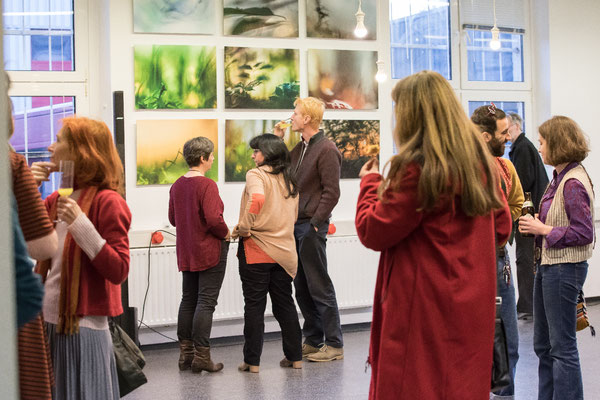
256,199
381,225
516,196
329,168
171,208
113,221
212,208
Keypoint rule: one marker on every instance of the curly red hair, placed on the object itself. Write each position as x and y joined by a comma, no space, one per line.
97,162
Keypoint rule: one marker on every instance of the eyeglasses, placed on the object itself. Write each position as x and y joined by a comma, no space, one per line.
492,109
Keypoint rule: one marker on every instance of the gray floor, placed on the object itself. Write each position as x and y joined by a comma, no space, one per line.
344,379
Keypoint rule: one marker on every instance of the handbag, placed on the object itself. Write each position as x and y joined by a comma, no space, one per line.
582,318
500,366
129,359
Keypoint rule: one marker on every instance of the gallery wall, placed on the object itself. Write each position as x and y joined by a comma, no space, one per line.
248,84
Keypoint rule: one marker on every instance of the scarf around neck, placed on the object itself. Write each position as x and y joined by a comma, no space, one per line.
68,320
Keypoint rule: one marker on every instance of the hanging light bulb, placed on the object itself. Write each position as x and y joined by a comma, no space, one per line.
361,30
495,42
380,76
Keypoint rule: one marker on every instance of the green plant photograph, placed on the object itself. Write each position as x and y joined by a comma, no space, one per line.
169,16
160,145
261,78
175,77
263,18
336,19
343,79
357,140
238,154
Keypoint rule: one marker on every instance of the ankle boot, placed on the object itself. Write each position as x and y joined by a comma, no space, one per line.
202,361
186,354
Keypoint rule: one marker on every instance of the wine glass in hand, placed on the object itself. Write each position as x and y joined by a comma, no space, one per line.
66,170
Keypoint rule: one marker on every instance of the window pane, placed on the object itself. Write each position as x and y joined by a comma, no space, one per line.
485,64
508,107
38,36
420,37
37,120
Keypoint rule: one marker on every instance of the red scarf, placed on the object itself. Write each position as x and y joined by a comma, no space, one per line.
505,175
68,321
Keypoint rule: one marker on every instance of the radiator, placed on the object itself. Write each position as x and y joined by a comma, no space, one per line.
351,266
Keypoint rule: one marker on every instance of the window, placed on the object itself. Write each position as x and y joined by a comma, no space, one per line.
485,64
420,37
38,36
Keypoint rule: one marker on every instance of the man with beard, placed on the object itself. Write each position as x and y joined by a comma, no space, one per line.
493,124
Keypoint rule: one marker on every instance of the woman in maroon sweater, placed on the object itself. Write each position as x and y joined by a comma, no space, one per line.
83,278
196,211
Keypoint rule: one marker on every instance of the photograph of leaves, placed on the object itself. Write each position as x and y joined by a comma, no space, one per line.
168,16
175,77
357,140
261,78
264,18
160,145
336,19
343,79
238,154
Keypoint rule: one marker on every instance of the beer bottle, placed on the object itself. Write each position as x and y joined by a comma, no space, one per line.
528,211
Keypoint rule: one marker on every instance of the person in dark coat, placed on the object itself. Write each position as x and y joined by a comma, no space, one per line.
532,173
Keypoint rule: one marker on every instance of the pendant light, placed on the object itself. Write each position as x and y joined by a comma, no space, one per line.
495,42
361,30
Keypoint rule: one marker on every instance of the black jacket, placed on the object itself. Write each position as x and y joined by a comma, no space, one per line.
530,168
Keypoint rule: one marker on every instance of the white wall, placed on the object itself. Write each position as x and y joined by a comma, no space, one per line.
149,203
574,59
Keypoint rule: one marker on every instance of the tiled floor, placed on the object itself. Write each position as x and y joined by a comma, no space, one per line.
344,379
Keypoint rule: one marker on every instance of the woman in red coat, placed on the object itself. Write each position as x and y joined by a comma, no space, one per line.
433,220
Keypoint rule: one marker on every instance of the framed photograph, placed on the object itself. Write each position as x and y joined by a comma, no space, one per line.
343,79
175,77
160,148
261,78
238,154
263,18
335,19
179,17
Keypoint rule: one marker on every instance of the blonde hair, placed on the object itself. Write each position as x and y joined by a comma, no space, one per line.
565,141
312,107
433,131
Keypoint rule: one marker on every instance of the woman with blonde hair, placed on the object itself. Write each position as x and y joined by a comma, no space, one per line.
433,218
564,242
83,278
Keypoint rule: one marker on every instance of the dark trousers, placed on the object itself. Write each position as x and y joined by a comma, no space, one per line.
525,275
200,291
257,281
315,293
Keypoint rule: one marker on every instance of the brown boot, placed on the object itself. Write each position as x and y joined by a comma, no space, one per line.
186,354
202,361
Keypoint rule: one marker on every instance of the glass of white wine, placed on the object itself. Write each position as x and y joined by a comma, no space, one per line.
66,170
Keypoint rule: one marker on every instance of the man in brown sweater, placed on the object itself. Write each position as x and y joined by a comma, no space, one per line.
316,163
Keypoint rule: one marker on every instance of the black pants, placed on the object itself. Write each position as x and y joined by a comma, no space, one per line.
257,281
200,291
315,293
525,275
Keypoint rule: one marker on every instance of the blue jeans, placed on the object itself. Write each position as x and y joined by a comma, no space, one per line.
508,313
315,293
555,291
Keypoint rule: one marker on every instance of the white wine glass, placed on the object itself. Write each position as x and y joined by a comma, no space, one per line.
66,170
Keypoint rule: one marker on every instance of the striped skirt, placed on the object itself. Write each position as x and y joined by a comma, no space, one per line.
84,365
35,367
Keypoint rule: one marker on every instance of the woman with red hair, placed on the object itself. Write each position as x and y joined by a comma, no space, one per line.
83,278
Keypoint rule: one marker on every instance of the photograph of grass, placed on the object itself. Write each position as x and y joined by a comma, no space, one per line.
336,19
261,78
238,154
357,140
264,18
168,16
175,77
343,79
160,145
